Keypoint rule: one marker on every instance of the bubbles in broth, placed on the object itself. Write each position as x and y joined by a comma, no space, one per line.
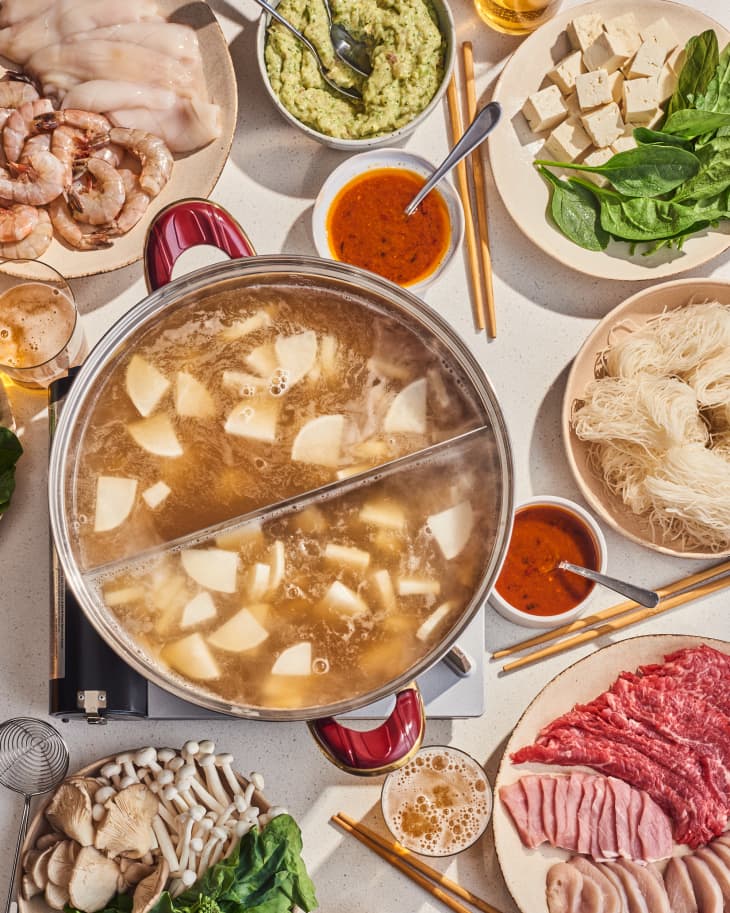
246,399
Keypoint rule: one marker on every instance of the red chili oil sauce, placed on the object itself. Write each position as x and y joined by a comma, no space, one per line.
367,227
542,535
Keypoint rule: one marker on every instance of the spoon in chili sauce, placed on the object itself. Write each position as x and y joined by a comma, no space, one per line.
636,593
477,131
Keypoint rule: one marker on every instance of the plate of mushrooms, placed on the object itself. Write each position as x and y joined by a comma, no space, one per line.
140,822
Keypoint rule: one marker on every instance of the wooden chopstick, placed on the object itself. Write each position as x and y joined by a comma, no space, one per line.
684,583
471,240
480,191
408,863
631,618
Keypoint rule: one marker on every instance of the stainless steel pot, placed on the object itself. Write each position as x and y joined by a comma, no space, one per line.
177,228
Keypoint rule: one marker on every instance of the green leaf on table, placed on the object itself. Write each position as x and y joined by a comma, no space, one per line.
10,452
690,123
576,212
646,171
701,61
716,96
646,137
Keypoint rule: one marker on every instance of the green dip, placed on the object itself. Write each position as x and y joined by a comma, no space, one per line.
407,53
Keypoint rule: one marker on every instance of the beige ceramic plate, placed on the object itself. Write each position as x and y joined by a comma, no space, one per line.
513,146
638,309
525,869
39,826
194,175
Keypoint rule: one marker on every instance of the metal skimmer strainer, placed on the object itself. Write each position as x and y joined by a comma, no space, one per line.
33,760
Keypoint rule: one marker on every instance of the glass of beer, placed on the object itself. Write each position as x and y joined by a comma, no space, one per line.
41,335
516,17
439,803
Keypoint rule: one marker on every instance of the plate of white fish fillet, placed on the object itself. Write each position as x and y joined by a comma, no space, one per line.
117,110
610,796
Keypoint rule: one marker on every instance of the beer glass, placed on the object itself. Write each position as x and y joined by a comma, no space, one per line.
41,335
516,17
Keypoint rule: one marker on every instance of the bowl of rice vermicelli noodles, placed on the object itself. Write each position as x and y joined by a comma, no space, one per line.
646,418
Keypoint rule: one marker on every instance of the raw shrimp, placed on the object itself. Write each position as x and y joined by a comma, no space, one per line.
33,245
41,142
15,92
17,222
154,155
135,204
71,231
40,181
110,153
72,117
99,204
21,124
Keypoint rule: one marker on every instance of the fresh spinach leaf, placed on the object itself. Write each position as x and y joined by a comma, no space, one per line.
640,219
10,452
646,137
717,95
690,123
701,61
576,212
714,174
646,171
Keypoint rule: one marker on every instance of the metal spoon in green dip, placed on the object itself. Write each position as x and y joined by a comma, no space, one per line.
349,49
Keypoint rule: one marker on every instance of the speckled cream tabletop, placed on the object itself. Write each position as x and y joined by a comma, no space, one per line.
544,312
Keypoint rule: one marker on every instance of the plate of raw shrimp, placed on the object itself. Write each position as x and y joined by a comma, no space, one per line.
80,192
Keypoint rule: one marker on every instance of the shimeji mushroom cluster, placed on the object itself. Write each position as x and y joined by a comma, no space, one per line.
150,820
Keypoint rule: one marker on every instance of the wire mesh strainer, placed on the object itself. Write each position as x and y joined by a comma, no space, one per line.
33,760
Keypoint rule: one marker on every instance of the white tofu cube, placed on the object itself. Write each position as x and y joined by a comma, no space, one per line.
660,32
641,99
626,141
563,75
604,125
584,30
648,60
544,109
608,52
616,85
667,83
568,141
625,27
593,89
676,60
571,103
594,159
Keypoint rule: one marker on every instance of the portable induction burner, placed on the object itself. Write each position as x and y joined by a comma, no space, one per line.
88,681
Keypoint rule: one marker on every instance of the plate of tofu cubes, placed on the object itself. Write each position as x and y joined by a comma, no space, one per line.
575,91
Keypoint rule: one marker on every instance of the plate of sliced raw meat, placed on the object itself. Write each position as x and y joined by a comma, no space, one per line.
619,765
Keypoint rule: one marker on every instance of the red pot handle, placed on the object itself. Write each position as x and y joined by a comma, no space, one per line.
185,224
380,750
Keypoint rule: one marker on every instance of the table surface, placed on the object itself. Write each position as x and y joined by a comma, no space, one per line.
544,313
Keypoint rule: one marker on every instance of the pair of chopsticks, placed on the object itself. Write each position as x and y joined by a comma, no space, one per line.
402,859
684,590
480,261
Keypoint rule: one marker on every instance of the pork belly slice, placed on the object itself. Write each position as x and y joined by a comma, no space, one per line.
706,889
679,887
610,896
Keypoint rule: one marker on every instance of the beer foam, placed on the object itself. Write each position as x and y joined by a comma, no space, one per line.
439,803
36,322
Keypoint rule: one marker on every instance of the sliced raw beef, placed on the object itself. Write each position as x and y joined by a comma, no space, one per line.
585,813
664,729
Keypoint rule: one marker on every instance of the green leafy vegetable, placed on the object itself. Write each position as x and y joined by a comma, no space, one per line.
717,95
576,213
265,873
701,62
10,452
646,137
640,219
646,171
690,123
714,174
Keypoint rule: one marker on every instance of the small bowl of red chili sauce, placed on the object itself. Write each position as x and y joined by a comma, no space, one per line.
359,218
531,590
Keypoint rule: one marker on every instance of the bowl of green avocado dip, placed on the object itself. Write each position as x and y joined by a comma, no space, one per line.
411,46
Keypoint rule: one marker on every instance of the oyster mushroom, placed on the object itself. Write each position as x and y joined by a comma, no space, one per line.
39,870
61,863
93,880
127,827
69,811
28,888
149,889
56,896
46,840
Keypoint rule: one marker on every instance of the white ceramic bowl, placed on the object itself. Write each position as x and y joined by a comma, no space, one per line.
387,158
447,29
552,621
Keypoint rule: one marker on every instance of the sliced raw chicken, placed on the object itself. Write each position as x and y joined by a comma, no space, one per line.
679,887
650,887
707,890
619,885
610,897
720,872
564,889
13,11
635,901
